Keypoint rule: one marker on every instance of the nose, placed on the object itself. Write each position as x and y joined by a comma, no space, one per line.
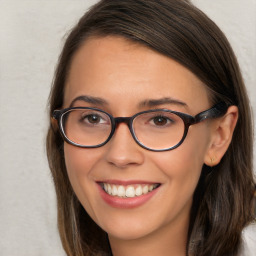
122,150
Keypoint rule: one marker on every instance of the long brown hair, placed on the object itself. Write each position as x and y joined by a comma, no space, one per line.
177,29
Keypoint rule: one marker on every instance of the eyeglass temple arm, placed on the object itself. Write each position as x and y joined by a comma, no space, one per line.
56,114
216,111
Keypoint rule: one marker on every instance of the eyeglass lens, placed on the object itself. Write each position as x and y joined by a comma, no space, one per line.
86,127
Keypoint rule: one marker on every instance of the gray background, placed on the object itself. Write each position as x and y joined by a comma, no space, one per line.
31,36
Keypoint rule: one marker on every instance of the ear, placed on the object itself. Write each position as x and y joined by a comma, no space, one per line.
221,135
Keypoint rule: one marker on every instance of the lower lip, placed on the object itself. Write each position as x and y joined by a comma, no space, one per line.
126,203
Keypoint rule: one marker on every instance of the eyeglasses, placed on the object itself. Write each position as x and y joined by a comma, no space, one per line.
155,130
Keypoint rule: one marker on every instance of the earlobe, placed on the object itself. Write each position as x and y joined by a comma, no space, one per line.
221,136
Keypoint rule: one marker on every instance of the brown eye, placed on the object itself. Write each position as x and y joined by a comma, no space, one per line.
160,120
93,119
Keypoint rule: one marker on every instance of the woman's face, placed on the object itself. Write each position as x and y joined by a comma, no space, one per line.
125,77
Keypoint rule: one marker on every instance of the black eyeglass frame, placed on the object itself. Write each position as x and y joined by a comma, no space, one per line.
216,111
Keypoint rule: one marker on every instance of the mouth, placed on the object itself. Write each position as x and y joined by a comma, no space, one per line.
128,191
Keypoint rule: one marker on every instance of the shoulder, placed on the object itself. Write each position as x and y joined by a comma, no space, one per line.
248,247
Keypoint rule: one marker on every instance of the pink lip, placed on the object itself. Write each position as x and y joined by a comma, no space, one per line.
126,203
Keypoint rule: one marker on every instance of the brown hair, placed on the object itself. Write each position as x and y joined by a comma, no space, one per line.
177,29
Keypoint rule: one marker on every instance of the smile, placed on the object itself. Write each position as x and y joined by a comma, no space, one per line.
128,191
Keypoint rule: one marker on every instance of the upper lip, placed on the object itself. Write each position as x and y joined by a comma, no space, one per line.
126,182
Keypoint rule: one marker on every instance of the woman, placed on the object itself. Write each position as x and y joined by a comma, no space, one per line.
150,145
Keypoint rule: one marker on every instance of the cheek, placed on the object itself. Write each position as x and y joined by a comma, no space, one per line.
75,160
79,164
182,171
182,166
80,161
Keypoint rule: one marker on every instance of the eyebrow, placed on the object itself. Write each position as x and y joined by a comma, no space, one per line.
157,102
89,99
144,103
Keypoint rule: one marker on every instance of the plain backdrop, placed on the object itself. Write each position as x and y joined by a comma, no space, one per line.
31,36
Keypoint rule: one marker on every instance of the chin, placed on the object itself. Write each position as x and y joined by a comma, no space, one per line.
130,225
129,232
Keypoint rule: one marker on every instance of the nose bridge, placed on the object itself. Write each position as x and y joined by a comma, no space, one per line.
119,120
121,151
126,120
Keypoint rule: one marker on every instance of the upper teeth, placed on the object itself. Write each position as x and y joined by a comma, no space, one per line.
128,191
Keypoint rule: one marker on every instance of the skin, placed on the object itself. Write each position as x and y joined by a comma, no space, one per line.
114,70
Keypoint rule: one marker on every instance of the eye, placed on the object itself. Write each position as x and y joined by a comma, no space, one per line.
93,119
157,119
161,120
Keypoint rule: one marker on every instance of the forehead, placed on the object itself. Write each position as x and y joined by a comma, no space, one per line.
124,73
